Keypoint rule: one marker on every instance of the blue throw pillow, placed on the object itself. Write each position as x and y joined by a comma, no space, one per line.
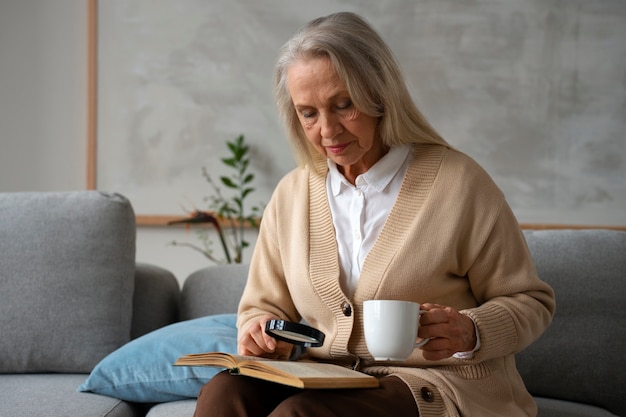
142,370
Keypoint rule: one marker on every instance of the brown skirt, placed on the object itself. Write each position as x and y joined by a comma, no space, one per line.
229,395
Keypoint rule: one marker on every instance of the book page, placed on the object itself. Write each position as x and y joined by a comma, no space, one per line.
221,359
307,374
309,369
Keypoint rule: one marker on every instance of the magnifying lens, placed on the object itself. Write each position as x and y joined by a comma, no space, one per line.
294,333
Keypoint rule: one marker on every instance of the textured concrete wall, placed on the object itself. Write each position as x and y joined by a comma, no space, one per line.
535,90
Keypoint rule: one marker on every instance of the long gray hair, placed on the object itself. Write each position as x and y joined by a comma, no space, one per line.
370,73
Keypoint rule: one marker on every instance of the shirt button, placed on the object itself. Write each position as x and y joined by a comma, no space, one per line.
346,308
427,395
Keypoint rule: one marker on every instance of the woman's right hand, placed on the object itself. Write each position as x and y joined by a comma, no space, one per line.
255,342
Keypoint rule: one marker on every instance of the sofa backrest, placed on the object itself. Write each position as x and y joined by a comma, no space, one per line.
580,357
213,290
67,264
156,300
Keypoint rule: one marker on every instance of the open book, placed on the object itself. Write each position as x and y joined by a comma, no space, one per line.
300,374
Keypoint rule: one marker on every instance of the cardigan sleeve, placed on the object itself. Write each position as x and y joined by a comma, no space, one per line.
266,291
515,306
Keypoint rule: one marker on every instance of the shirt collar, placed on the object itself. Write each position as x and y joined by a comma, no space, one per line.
378,176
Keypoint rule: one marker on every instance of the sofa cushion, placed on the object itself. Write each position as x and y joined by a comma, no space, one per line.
580,356
183,408
556,408
142,370
54,395
67,263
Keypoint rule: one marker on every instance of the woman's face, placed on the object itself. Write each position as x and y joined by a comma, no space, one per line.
330,120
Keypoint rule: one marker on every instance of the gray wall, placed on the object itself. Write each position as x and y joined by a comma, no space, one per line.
533,89
42,95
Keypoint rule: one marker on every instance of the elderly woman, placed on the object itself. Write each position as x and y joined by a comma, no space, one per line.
381,207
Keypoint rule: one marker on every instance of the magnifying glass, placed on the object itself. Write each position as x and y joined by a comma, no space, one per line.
294,333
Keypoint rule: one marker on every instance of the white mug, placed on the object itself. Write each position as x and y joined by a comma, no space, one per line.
391,328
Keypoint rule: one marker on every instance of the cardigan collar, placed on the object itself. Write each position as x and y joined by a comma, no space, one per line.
324,262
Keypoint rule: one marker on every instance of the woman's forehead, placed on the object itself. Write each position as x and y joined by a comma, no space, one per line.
314,78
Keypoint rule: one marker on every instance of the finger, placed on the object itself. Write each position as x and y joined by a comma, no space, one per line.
430,306
268,340
263,340
434,316
433,330
437,349
250,347
253,342
246,350
457,335
247,346
436,355
437,344
283,349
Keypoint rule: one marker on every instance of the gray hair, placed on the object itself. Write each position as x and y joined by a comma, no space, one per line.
370,73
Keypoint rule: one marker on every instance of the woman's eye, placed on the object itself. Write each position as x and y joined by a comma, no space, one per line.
345,105
308,114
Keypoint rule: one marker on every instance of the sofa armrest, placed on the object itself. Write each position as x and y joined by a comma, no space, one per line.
156,300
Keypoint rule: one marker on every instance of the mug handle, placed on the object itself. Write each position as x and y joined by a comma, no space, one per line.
423,341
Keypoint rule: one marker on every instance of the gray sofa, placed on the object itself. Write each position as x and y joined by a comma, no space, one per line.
574,370
72,296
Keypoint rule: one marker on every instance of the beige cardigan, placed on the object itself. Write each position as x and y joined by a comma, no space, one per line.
451,239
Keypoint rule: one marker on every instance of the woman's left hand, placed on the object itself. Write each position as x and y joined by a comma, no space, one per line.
449,332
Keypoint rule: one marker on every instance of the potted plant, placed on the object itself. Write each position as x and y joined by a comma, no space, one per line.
226,213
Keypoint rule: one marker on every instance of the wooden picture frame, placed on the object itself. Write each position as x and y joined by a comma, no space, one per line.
92,113
258,122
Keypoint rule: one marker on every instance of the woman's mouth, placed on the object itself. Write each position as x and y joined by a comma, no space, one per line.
337,149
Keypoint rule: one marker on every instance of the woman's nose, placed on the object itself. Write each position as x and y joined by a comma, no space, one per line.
330,126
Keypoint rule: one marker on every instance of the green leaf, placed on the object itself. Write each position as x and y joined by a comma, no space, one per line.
249,178
231,162
239,153
228,182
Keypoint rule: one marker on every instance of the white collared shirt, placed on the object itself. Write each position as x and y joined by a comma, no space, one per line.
359,211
